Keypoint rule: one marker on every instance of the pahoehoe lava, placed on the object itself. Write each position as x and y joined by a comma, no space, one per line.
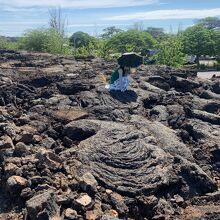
129,161
125,160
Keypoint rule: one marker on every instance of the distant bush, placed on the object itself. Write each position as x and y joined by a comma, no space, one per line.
170,53
103,49
3,43
217,65
95,48
81,51
45,40
7,44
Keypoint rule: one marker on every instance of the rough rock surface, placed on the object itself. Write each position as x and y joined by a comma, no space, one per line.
69,149
42,206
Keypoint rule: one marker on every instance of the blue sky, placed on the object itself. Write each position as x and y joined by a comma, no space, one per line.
17,16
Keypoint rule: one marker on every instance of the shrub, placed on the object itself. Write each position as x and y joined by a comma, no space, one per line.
45,40
217,65
3,43
170,53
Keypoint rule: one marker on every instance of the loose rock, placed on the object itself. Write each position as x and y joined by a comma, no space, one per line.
16,183
42,205
151,152
88,183
84,201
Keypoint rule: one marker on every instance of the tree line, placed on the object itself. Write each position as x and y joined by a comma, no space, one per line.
203,38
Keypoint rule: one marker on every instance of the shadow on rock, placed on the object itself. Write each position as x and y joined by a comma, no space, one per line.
124,97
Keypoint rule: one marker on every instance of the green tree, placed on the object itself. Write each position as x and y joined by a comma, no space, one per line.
197,40
210,22
170,52
216,39
84,43
81,39
110,31
131,40
103,49
45,40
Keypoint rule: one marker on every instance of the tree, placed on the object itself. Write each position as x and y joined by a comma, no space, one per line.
197,40
56,21
210,22
81,39
110,31
216,39
170,52
83,42
131,40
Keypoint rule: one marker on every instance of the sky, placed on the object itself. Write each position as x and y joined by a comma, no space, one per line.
18,16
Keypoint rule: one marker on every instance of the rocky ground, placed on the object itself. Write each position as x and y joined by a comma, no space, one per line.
69,149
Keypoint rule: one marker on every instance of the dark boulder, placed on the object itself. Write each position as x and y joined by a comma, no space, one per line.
72,87
183,85
80,130
43,206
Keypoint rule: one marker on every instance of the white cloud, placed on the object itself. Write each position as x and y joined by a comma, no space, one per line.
168,14
7,5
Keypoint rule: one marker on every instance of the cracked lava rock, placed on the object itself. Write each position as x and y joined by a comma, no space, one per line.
69,149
